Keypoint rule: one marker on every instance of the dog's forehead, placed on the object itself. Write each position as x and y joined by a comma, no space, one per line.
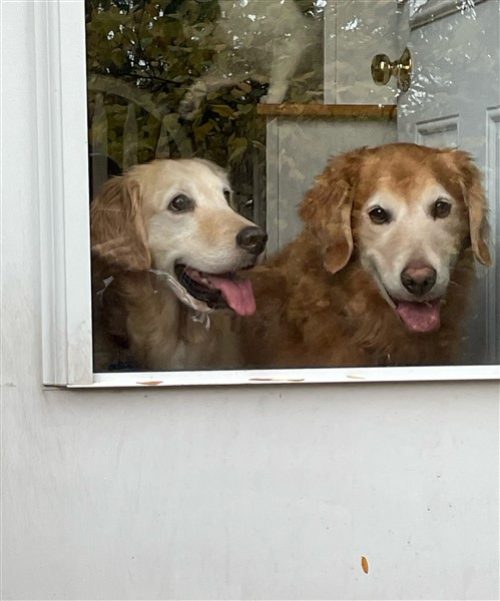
405,177
388,197
164,173
194,171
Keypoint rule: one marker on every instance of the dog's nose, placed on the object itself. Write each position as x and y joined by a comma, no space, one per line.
252,239
418,278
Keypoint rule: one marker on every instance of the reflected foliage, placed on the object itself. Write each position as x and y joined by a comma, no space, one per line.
142,57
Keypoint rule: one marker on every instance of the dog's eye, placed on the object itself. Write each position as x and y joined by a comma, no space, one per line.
180,204
379,215
227,195
440,209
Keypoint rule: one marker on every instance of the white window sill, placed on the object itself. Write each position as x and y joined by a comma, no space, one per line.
293,376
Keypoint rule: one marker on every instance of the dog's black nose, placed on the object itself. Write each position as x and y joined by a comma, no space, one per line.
418,278
252,239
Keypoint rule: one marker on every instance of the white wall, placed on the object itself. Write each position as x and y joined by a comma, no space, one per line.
231,492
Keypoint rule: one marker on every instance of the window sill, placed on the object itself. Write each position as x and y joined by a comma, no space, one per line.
293,376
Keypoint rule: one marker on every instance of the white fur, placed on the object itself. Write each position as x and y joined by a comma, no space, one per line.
261,38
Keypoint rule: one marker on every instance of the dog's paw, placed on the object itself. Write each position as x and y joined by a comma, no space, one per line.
276,94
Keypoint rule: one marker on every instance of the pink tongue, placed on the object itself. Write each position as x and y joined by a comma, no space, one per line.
420,317
238,294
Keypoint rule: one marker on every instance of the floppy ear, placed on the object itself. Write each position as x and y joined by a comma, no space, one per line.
475,200
327,208
118,230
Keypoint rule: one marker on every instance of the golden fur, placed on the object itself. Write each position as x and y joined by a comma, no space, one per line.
318,301
137,242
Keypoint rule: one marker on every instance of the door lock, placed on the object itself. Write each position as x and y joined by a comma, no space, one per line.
383,69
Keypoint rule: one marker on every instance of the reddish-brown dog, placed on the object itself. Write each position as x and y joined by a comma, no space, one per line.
383,269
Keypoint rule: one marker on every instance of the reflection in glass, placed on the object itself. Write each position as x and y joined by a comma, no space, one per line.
269,90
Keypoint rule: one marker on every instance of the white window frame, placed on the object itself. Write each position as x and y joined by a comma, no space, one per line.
65,241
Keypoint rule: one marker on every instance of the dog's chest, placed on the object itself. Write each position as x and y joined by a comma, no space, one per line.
205,342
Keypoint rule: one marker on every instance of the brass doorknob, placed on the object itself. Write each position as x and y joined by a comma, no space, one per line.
383,68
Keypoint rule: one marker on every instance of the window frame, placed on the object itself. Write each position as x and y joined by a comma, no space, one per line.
61,99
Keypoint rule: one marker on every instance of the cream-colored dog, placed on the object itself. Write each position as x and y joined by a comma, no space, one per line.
166,246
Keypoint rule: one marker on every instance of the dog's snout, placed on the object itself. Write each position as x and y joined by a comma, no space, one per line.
252,239
418,278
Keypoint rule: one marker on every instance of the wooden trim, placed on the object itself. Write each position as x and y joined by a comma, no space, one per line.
361,112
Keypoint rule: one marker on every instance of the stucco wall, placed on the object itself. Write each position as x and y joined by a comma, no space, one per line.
268,492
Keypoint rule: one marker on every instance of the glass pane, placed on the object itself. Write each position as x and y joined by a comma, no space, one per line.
374,257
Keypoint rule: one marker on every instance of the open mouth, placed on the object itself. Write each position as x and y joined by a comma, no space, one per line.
421,317
217,291
418,316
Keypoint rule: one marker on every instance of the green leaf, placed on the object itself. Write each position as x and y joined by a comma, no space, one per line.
222,109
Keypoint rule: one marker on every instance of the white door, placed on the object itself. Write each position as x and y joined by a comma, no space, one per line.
454,100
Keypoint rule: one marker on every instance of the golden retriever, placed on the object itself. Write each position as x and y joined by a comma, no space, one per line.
381,273
166,245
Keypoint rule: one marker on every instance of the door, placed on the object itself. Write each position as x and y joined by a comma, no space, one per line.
454,100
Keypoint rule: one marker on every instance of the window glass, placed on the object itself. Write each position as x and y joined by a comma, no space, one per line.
212,125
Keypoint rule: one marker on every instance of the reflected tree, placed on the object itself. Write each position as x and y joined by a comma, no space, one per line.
142,56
